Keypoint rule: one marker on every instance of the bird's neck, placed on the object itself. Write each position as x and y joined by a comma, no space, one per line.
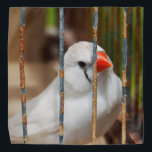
71,92
103,77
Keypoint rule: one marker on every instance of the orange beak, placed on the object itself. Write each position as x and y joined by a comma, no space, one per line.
102,61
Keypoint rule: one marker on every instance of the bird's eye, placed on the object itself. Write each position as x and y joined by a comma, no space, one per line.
82,64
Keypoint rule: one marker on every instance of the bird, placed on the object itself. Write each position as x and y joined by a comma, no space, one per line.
43,110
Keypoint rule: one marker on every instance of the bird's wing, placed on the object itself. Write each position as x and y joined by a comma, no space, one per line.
42,115
109,100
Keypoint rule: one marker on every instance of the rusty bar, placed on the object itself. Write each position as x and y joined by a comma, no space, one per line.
123,133
124,79
94,103
61,73
22,75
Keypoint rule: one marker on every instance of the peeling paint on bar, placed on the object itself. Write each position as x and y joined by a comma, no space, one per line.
23,98
124,91
124,54
124,78
22,75
23,91
94,104
23,12
61,74
123,139
125,9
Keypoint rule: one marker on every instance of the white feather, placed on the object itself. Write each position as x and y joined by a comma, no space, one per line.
43,110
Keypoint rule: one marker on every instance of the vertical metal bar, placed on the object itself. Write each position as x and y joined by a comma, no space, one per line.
94,105
61,72
22,75
124,79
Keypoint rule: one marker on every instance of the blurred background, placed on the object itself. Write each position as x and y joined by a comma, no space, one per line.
42,56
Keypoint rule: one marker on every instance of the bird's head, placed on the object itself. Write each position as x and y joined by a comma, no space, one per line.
78,65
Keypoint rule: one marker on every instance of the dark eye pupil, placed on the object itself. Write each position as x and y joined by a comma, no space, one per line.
82,64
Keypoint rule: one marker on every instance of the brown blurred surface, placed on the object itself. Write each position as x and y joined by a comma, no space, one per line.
34,35
37,77
34,39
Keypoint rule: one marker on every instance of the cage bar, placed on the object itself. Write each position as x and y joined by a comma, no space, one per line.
94,104
22,75
124,79
61,73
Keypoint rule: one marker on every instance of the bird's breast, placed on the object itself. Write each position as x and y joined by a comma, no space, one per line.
77,119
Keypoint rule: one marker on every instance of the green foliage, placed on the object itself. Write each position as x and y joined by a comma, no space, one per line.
109,31
103,26
115,35
111,34
51,17
121,42
133,53
141,57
